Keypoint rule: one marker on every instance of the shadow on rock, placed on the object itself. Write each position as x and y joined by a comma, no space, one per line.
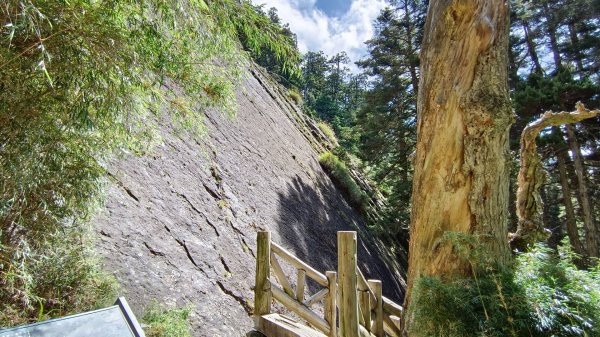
309,219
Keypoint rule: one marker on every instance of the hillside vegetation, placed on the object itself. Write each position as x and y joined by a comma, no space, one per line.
82,80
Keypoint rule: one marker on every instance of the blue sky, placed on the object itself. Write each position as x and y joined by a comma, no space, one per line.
332,26
333,7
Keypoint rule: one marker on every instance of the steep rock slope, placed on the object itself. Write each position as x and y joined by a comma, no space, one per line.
179,223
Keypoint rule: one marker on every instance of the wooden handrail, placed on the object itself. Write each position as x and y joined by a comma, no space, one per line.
310,271
389,306
374,315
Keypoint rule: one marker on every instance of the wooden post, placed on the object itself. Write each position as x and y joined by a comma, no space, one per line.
377,328
347,286
331,303
262,289
365,308
300,285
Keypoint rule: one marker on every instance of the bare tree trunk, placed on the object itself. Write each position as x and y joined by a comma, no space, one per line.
552,34
575,47
591,235
464,113
531,177
531,48
571,223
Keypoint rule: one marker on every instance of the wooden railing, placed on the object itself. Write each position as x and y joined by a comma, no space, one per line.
363,311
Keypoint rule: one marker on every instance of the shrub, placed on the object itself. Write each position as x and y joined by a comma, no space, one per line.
296,96
340,175
167,322
543,294
58,277
80,80
328,131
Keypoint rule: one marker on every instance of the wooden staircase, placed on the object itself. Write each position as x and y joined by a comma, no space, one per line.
363,311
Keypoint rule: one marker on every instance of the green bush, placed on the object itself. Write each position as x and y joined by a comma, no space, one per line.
296,96
340,175
80,80
58,277
167,322
543,294
328,131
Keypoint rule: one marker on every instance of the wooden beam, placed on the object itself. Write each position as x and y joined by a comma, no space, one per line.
377,328
300,285
390,327
391,307
278,271
365,308
347,273
396,321
316,297
331,303
262,286
364,285
300,309
310,271
282,326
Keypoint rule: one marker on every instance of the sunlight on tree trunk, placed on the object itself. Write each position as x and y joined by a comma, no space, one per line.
461,167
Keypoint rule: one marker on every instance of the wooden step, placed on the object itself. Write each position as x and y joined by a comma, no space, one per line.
276,325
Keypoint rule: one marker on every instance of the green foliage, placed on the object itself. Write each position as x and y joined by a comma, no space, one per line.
565,299
544,294
333,93
386,122
328,131
340,174
296,96
59,276
269,43
80,80
167,322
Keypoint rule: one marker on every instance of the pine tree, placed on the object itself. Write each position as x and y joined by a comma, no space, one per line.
386,123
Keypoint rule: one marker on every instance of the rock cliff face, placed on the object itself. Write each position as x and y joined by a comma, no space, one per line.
179,224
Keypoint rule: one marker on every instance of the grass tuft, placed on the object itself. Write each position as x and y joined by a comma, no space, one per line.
328,131
296,96
163,322
340,175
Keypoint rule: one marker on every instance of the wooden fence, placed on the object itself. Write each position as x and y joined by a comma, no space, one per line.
363,311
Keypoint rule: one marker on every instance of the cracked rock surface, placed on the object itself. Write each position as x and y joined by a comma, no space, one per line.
179,224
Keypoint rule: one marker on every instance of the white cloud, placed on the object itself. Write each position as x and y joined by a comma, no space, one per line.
317,31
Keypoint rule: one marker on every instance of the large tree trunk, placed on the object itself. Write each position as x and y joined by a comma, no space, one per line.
591,235
464,112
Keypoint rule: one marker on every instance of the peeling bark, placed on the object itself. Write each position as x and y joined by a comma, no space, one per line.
464,113
531,177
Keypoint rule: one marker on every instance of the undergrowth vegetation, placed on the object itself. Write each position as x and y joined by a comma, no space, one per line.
542,294
328,132
341,176
163,322
80,80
